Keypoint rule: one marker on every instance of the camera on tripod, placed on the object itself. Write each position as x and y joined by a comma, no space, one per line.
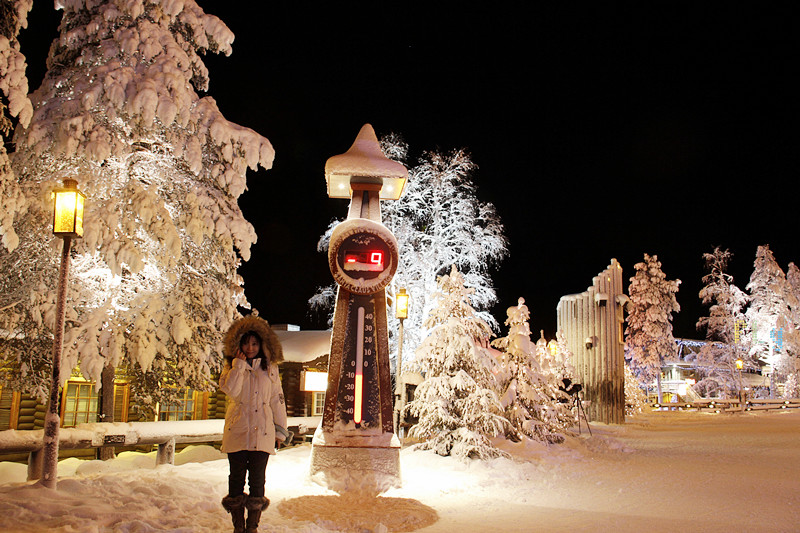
574,389
569,387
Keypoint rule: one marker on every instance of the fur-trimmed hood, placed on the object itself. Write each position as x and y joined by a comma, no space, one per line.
269,340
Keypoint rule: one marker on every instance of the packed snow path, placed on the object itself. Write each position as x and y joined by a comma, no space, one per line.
668,471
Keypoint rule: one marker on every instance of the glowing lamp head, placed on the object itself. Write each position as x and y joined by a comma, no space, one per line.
364,163
739,364
68,204
553,347
401,304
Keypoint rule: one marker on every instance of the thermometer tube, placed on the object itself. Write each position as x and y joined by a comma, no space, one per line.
359,384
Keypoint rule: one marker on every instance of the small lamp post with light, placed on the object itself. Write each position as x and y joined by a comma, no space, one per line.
739,366
401,313
68,204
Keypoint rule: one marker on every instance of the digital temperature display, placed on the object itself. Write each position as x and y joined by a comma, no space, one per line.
362,255
369,260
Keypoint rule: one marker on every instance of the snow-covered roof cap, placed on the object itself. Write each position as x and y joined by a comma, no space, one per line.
364,162
304,346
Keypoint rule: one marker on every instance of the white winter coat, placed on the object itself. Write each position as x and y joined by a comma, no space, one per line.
256,410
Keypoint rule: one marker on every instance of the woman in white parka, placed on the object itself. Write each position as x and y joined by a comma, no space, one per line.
255,419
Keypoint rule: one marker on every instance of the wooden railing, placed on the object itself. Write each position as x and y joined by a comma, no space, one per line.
732,405
163,434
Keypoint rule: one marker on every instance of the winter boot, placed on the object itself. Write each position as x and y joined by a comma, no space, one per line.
235,506
255,505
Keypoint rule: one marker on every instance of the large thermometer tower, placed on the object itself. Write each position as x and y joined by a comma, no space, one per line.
355,447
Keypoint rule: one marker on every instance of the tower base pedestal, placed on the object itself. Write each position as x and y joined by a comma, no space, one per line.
368,465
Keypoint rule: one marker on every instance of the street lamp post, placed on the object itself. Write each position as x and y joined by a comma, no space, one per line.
401,312
67,224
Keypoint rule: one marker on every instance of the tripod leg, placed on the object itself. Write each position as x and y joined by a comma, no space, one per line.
580,407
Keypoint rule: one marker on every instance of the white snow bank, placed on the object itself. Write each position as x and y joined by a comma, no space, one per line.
666,471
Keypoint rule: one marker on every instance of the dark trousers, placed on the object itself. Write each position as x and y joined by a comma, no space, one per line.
250,463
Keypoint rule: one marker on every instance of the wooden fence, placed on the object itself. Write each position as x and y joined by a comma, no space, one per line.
730,406
165,435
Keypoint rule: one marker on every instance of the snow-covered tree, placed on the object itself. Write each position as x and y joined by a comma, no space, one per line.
530,390
791,337
724,327
791,387
648,335
457,403
635,396
768,314
13,104
154,280
439,222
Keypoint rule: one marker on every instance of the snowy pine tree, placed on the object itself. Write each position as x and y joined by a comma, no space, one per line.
457,404
724,326
791,337
439,222
648,336
635,396
532,376
768,315
154,280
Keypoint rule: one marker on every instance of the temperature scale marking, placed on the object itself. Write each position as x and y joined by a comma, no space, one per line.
359,378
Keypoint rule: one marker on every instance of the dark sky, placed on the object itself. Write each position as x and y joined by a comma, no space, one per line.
605,132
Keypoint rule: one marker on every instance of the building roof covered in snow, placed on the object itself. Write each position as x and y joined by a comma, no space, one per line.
304,346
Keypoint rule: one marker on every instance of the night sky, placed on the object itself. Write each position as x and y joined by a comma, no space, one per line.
599,132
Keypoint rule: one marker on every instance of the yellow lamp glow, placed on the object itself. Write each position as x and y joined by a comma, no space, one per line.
553,347
739,364
68,210
313,381
401,304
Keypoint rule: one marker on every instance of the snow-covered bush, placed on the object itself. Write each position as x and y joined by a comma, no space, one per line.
457,405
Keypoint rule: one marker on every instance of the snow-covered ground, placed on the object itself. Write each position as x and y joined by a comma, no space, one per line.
667,471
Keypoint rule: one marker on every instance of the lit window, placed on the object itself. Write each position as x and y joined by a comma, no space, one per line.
80,404
182,409
6,407
318,404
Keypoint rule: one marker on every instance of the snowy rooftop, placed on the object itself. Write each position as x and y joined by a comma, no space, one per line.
304,346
